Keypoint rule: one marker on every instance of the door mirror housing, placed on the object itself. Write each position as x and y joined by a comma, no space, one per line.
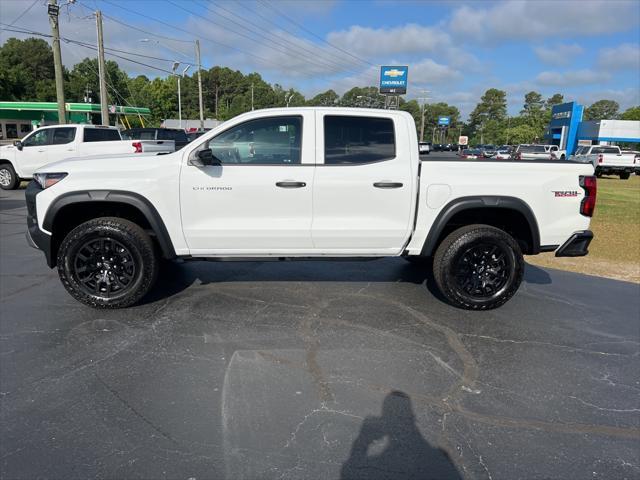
205,157
18,144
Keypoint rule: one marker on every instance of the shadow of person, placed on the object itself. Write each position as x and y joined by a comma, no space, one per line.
391,447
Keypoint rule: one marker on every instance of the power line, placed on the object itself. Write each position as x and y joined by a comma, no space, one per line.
116,20
128,10
301,27
325,63
24,12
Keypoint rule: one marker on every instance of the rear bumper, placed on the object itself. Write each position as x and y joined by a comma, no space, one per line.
36,238
577,245
605,169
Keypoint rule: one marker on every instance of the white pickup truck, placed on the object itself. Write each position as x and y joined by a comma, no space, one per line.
301,183
53,143
607,160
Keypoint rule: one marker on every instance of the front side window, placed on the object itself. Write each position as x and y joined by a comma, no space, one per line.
358,140
101,135
266,141
63,135
37,139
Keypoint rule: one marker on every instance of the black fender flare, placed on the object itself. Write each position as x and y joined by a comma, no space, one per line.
482,201
115,196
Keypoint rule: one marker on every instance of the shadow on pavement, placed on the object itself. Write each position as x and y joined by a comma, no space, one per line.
533,274
391,447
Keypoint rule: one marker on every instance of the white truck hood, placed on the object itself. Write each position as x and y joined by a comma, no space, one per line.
110,162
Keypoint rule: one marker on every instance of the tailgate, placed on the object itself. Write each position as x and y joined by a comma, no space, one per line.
621,160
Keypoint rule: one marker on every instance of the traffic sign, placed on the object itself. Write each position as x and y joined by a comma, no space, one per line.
463,140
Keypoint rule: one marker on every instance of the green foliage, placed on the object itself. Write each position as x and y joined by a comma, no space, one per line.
26,70
602,110
493,105
632,113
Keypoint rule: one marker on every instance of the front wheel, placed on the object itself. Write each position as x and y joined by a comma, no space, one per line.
8,178
478,267
107,262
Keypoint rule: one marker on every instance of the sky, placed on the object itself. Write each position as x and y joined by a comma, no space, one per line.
585,49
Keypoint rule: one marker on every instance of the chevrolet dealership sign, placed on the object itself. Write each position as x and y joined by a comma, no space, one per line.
394,79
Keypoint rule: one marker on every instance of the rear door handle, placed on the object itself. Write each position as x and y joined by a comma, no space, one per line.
291,184
387,184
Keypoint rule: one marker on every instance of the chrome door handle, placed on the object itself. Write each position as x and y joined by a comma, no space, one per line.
387,184
286,184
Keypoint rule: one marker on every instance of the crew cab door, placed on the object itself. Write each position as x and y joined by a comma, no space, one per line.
258,200
34,153
363,190
63,143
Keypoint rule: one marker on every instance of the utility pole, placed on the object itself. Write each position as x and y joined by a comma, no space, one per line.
251,96
53,10
104,108
200,85
216,101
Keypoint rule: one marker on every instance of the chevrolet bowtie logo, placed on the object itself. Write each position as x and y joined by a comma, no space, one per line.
394,73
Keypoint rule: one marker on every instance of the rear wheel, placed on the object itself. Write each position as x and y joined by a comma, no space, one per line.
625,175
107,262
8,178
478,267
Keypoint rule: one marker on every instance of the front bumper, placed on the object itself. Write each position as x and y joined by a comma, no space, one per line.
36,237
577,245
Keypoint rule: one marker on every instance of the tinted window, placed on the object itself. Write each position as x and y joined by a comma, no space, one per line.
63,135
12,130
605,150
266,141
177,135
354,140
532,149
37,139
101,135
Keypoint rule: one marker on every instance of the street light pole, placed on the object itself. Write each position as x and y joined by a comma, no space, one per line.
53,10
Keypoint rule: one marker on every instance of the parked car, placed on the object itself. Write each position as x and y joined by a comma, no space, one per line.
472,154
58,142
608,160
488,150
532,152
177,135
502,155
636,159
218,199
438,147
424,148
191,136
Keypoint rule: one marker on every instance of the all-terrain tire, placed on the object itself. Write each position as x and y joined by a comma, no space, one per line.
8,178
625,175
92,236
454,270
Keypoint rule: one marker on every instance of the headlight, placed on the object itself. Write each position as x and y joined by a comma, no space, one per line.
47,180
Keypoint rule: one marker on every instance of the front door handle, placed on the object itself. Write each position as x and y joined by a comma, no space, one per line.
287,184
387,184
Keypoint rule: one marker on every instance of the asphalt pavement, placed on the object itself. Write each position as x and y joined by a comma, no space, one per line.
314,370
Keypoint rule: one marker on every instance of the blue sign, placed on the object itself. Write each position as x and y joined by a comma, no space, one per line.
444,121
394,79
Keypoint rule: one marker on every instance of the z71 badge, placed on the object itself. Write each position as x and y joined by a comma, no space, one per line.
565,193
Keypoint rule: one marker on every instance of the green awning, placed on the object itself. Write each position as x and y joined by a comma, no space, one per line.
73,107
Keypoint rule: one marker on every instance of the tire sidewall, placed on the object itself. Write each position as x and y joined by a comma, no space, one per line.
457,245
10,170
146,269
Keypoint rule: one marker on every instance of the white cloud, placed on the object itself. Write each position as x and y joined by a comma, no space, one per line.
572,78
427,72
558,54
528,20
622,57
626,97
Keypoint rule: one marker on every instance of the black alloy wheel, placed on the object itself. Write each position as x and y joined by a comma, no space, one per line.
483,270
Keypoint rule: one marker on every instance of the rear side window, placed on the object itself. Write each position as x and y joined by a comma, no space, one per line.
532,149
357,140
63,135
605,150
101,135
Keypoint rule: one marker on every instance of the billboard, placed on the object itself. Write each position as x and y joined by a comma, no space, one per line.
444,121
394,79
463,140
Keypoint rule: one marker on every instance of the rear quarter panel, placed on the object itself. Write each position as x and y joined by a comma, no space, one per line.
557,214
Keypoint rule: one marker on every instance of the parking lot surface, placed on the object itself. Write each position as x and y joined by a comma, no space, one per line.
314,370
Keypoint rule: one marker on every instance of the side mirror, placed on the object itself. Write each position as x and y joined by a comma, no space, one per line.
206,157
18,144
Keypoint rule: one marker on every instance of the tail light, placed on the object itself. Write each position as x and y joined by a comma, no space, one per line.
600,158
137,146
588,204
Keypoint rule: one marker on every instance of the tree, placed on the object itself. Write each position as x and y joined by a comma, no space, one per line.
325,99
493,105
26,70
363,97
632,113
555,99
602,110
534,113
520,134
